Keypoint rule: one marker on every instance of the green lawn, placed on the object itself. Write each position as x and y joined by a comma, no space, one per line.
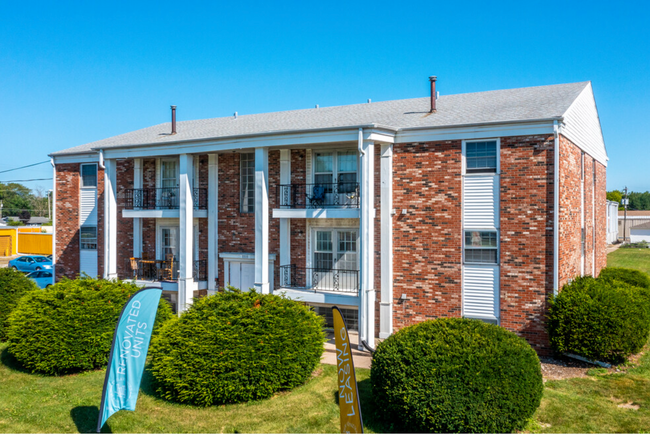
638,259
35,403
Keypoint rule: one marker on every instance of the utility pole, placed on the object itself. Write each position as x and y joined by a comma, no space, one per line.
625,201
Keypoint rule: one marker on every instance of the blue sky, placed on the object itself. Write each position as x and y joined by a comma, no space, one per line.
76,72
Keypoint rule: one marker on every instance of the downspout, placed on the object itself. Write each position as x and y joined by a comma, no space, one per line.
53,216
556,208
360,142
101,159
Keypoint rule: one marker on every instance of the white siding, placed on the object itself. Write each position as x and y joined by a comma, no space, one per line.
88,262
480,292
88,207
582,126
480,202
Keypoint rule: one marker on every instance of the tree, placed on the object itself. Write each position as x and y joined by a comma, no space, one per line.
615,196
15,199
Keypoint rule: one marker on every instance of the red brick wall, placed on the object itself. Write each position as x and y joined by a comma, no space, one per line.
124,170
298,226
427,240
589,215
67,220
601,217
570,211
526,222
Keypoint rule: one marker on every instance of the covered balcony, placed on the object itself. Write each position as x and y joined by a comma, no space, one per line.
162,198
319,279
154,270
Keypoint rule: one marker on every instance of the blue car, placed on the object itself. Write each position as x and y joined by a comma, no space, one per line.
43,278
31,263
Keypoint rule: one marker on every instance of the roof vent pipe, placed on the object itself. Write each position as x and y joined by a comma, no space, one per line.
173,119
433,79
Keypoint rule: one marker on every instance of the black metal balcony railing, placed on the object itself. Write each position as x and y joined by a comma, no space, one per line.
335,195
155,270
162,198
319,279
200,271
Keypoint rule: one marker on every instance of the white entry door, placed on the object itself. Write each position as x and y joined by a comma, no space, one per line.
241,275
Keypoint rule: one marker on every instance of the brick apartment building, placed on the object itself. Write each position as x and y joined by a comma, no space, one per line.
397,211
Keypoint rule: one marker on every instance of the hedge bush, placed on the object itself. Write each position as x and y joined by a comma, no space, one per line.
627,275
69,326
601,319
456,375
13,285
234,347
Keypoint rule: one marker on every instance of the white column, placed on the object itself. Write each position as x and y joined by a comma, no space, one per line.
367,294
110,220
262,220
285,224
186,226
137,223
213,222
386,302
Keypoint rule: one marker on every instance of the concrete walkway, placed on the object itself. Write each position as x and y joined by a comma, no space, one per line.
362,359
613,247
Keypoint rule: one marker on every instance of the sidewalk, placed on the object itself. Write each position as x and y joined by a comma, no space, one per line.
362,359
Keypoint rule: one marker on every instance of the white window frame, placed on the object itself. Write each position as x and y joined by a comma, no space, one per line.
177,174
498,248
464,157
335,163
81,241
251,209
81,178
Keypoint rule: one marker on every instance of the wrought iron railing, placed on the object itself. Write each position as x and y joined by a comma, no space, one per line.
319,279
200,271
162,198
153,270
334,195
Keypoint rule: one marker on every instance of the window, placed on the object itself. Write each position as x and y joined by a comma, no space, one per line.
336,167
481,247
89,176
88,237
169,242
169,174
481,157
247,183
336,250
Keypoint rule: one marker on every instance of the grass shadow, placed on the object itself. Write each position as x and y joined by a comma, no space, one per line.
369,414
85,418
7,359
147,385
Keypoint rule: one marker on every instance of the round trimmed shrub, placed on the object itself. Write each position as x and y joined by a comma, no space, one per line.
601,319
69,326
13,285
626,275
235,347
456,375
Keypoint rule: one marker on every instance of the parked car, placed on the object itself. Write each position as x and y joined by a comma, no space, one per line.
31,263
43,278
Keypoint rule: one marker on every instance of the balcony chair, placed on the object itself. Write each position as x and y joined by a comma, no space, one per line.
317,197
135,267
167,269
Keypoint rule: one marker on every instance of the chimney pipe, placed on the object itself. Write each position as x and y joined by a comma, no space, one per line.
173,119
433,79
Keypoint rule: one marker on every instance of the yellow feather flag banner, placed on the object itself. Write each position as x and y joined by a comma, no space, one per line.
347,382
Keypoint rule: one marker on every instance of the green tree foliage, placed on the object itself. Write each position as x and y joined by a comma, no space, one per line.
456,375
69,326
13,285
615,196
639,201
235,347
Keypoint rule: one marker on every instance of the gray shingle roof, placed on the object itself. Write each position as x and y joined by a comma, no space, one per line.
529,103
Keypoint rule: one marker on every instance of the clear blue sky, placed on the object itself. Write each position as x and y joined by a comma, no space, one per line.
72,73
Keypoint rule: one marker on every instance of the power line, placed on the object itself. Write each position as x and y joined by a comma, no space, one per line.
23,167
26,180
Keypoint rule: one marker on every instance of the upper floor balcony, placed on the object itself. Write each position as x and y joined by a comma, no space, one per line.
162,199
339,199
